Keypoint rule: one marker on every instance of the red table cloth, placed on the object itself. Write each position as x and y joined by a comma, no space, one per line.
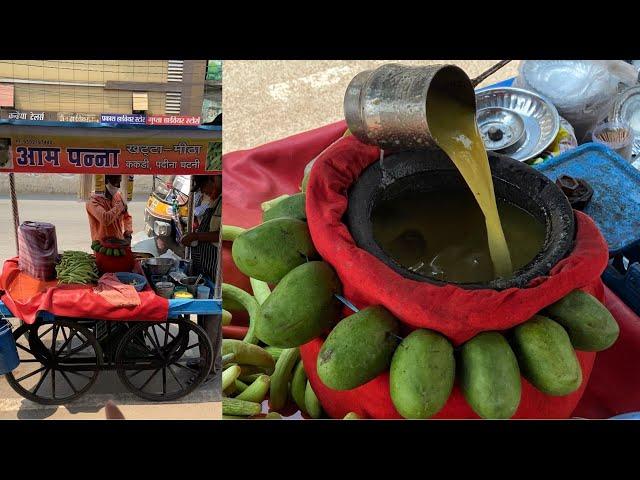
25,296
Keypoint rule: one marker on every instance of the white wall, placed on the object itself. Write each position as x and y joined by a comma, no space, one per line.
60,184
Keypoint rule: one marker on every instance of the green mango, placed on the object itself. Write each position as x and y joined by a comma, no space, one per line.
423,370
590,326
313,407
272,249
290,207
489,376
358,349
301,307
546,356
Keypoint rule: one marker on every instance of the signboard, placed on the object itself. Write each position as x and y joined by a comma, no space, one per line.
78,117
50,116
99,154
173,120
32,116
123,118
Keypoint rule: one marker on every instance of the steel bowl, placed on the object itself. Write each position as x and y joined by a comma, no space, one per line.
502,130
159,266
540,117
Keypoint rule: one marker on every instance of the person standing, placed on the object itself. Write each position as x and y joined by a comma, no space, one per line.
204,252
108,214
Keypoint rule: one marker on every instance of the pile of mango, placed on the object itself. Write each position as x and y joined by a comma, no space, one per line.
97,246
423,365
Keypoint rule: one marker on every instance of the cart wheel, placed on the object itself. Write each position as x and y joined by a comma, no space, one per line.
59,362
160,373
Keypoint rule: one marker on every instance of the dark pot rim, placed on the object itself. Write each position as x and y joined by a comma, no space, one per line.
523,181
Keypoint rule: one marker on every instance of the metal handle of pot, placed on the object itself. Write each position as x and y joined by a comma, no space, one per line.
487,73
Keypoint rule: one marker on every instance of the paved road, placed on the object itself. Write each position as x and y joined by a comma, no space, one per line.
70,219
65,212
270,99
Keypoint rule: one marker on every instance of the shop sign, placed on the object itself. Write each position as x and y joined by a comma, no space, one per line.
31,116
78,117
173,120
30,153
123,118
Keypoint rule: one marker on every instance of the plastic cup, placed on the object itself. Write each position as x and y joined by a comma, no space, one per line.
203,292
622,148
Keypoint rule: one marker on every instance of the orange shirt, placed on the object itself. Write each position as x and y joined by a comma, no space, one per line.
107,218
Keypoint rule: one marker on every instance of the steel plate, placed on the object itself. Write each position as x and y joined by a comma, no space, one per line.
540,117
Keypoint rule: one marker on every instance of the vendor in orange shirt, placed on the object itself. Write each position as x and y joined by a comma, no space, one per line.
108,215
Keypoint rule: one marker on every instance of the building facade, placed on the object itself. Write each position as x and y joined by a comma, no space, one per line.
82,90
212,104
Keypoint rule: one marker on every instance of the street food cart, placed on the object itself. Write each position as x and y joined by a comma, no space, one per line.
68,334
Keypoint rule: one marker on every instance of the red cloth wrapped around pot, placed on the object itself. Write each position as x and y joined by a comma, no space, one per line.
254,176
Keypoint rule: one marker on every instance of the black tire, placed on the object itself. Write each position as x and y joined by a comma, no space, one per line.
66,364
167,357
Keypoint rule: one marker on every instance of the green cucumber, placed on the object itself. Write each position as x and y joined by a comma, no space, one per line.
274,351
298,386
248,302
240,385
249,354
313,407
273,416
281,377
257,391
240,408
229,376
228,358
249,379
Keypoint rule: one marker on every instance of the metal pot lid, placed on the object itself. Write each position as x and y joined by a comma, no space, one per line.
626,109
502,130
540,118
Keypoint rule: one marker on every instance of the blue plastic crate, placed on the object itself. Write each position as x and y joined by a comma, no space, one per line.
505,83
627,416
615,205
624,282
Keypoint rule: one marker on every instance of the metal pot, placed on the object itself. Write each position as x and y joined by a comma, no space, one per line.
432,170
388,106
159,266
190,284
